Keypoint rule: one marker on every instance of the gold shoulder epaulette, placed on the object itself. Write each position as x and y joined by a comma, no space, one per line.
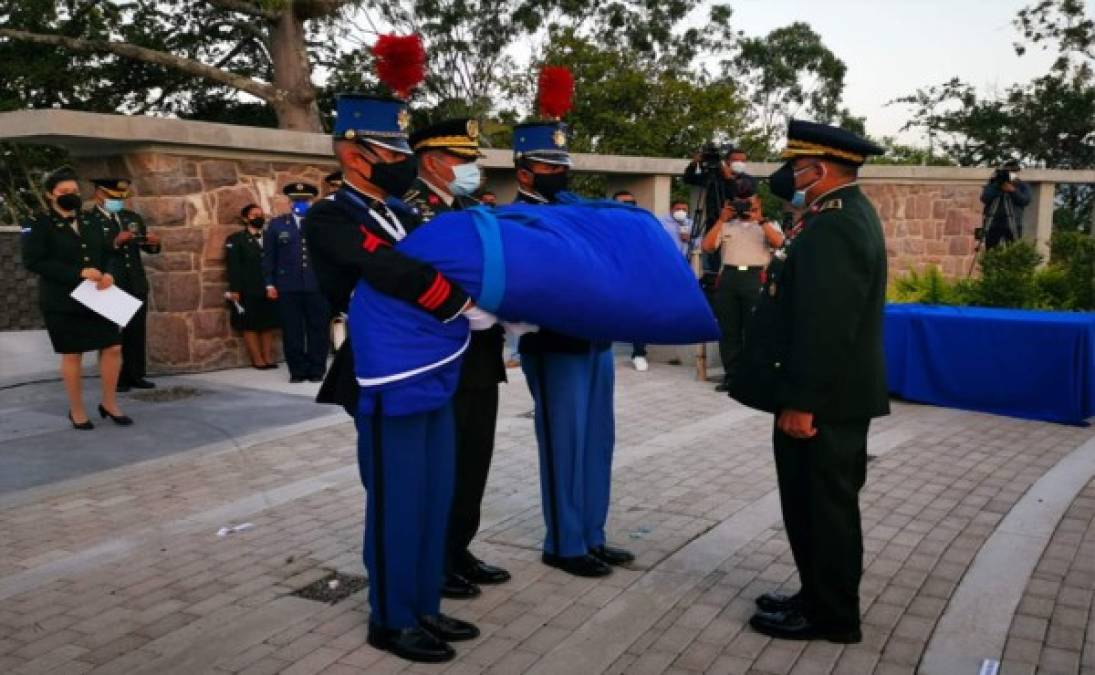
836,204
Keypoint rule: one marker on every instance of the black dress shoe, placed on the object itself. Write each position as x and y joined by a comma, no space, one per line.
270,366
413,644
771,603
457,587
122,387
579,565
296,379
142,384
86,425
120,420
611,555
793,625
448,628
723,386
479,572
315,379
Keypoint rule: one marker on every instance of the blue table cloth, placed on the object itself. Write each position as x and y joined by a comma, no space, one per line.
1029,364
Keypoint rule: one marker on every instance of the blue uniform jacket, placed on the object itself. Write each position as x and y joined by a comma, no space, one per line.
286,263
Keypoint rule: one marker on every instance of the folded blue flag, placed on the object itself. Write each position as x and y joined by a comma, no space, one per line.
601,271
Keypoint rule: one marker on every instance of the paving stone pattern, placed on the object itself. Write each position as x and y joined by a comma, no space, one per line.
124,572
1054,628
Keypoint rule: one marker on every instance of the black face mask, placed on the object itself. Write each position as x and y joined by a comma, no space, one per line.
257,223
395,178
782,182
550,184
69,202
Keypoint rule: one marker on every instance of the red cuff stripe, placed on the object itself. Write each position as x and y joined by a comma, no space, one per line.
436,294
372,242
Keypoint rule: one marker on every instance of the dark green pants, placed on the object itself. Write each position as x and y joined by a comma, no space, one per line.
819,483
737,293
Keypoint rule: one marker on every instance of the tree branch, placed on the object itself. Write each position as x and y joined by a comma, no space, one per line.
244,7
262,90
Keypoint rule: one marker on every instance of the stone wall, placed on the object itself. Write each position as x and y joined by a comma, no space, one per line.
928,225
194,203
19,292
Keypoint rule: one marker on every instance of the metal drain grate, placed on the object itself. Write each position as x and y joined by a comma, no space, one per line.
167,394
332,588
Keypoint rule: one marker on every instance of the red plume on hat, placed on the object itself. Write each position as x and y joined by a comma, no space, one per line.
556,95
400,62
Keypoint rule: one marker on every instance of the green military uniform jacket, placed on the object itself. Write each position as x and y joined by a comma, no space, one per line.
125,262
57,253
243,256
483,363
816,335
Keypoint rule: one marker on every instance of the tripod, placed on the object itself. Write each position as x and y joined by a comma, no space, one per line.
713,185
986,225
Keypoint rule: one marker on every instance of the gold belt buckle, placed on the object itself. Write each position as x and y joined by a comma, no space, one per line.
743,268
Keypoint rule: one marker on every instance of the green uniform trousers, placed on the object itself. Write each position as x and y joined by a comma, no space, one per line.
737,293
819,483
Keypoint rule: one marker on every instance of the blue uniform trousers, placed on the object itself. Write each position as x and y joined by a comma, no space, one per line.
407,466
305,320
576,432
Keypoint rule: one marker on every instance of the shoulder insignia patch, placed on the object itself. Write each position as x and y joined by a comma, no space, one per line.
832,205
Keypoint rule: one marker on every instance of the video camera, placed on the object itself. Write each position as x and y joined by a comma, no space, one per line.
711,156
743,209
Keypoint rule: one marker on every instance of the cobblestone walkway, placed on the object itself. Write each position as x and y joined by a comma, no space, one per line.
124,572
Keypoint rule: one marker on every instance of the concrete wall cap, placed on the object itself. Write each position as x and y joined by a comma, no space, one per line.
89,134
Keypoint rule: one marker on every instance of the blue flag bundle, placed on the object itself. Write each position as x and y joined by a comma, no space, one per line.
601,271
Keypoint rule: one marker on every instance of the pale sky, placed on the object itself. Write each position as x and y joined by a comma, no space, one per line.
892,47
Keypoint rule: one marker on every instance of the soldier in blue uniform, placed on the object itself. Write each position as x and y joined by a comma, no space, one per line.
447,176
571,381
406,460
291,280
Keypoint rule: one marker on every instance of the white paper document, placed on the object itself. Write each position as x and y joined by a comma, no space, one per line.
113,303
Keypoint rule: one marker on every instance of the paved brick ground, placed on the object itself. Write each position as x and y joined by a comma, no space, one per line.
1054,628
123,572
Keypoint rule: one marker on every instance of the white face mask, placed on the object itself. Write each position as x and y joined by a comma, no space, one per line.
465,179
680,215
737,167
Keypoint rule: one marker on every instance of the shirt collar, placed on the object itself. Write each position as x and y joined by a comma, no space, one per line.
441,194
823,195
533,196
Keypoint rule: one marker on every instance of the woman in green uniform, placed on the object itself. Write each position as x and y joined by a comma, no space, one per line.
63,251
250,310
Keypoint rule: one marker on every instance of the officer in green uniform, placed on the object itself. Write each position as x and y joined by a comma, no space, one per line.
818,330
128,236
447,177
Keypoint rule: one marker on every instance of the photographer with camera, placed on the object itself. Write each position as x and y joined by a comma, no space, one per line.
745,241
723,176
1004,197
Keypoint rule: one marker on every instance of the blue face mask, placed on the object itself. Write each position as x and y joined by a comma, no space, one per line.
113,205
465,179
300,207
798,201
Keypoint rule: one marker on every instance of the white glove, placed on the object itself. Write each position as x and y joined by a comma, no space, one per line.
479,319
519,328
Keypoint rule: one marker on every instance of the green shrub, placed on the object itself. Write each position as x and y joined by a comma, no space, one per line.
928,288
1007,277
1053,288
1074,252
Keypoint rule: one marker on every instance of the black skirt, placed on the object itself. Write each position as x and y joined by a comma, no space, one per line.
80,330
260,313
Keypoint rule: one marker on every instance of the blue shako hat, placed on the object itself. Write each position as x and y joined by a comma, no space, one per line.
541,141
382,120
